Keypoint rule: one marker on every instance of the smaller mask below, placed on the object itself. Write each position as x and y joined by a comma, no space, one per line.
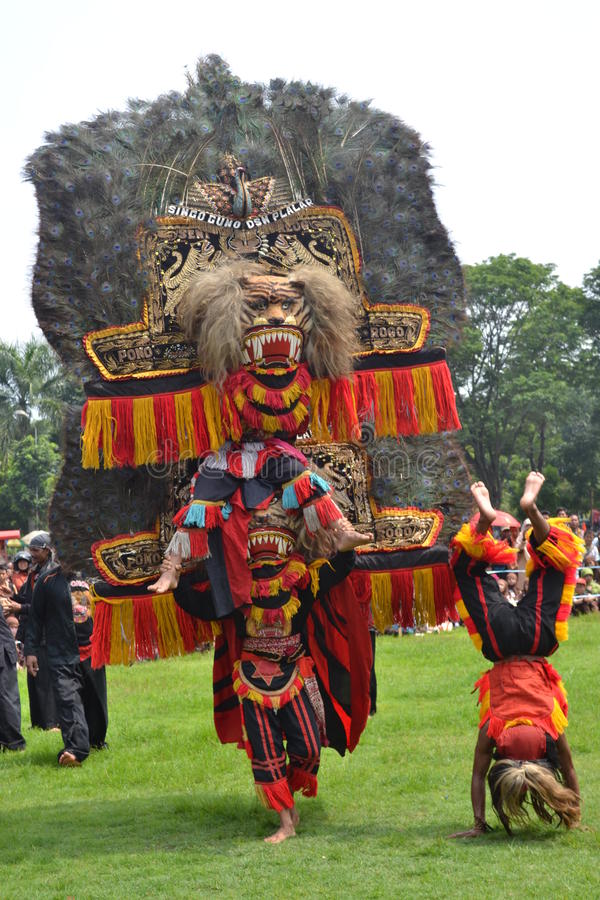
271,534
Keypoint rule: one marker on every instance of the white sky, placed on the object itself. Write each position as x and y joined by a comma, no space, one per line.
505,91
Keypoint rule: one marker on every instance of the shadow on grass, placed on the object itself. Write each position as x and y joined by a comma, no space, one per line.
176,823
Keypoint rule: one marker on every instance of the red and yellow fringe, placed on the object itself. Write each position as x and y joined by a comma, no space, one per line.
280,614
304,782
269,700
153,429
554,724
243,384
274,795
137,431
422,595
144,626
483,546
294,575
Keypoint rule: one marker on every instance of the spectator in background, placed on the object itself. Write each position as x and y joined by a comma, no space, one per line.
42,704
575,526
513,595
21,564
591,586
583,601
522,555
52,614
591,555
10,704
6,588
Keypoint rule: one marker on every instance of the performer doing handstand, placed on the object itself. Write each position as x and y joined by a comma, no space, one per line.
523,707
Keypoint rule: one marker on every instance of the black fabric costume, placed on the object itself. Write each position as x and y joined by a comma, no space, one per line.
522,698
52,614
10,704
251,672
93,692
506,630
42,705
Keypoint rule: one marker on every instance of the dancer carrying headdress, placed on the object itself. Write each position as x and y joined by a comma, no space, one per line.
298,624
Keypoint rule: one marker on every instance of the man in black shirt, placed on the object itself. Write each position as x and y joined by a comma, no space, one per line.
10,704
51,615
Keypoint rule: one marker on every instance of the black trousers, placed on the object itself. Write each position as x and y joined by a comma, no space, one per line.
67,682
95,705
42,705
266,729
373,679
10,705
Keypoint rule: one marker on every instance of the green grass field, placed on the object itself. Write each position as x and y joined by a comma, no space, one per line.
169,812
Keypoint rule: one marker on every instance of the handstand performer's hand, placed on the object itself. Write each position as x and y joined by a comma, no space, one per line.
479,828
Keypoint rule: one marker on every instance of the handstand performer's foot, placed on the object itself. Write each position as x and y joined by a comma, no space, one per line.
286,828
487,513
347,537
533,485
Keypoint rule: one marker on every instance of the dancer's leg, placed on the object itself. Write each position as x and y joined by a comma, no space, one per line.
540,526
487,513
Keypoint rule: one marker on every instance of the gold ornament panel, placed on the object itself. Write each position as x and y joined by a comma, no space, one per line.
181,246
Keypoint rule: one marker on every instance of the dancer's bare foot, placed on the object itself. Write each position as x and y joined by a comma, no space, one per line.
347,537
68,759
295,816
169,575
487,513
286,827
533,485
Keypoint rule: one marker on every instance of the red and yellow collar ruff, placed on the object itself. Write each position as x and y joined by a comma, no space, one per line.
247,385
275,597
267,409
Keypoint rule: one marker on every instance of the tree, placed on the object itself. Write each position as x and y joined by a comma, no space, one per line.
26,482
34,387
516,370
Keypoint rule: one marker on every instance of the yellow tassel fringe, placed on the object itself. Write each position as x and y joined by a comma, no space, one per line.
386,422
144,431
185,426
424,596
320,395
98,422
381,600
425,399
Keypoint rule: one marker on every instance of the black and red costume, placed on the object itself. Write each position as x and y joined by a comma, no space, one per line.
522,698
292,665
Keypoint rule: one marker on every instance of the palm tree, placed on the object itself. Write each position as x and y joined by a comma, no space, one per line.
34,387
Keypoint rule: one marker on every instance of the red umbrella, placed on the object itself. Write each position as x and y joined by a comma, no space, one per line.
502,520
